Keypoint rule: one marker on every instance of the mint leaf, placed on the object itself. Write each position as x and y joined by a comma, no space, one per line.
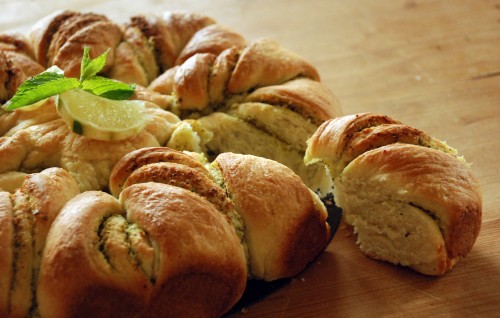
52,82
44,85
108,88
90,67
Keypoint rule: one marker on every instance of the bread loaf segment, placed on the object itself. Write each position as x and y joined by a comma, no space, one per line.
412,200
77,276
43,30
307,97
146,156
436,184
273,202
169,33
198,248
16,64
59,39
213,39
145,255
274,121
25,219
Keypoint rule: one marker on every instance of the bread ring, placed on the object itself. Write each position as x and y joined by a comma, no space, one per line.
173,221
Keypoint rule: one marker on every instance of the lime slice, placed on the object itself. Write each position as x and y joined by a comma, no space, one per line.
100,118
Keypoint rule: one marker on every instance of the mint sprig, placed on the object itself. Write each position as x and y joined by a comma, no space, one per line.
89,67
53,82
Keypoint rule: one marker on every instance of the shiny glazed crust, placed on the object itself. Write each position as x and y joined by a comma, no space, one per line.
179,244
273,203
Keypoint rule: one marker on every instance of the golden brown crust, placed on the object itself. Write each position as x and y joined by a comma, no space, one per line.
12,122
212,39
25,64
11,78
69,55
59,39
42,32
145,156
215,254
191,82
331,138
135,60
48,192
16,42
127,68
222,69
67,29
207,79
11,181
182,176
273,203
263,63
180,226
165,83
170,33
16,64
340,140
75,275
41,144
163,101
20,292
307,97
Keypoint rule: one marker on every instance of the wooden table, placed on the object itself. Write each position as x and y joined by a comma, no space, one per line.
432,64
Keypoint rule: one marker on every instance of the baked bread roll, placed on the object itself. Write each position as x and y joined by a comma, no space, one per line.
244,188
273,202
25,219
409,197
59,39
159,251
16,64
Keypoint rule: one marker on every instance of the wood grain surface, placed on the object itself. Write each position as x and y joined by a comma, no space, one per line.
432,64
